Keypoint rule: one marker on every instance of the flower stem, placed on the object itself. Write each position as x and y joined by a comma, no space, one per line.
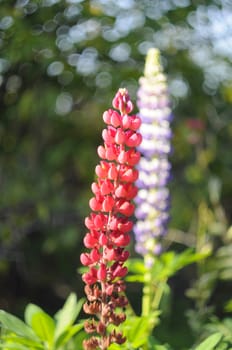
147,294
152,296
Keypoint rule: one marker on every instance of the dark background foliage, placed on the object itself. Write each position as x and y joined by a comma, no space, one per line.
61,63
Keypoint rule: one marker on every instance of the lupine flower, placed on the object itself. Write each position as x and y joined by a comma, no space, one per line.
153,200
109,224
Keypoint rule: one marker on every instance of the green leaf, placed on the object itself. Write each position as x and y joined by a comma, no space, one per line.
136,330
137,270
136,266
115,347
210,342
15,325
166,266
10,338
78,339
41,322
153,344
68,334
135,278
170,263
13,346
67,315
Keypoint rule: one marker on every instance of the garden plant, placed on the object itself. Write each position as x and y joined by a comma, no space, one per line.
131,195
115,175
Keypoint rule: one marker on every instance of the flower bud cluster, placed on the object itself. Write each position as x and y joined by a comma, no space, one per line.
109,224
153,200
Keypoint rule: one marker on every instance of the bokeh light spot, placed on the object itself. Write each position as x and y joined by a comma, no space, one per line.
64,103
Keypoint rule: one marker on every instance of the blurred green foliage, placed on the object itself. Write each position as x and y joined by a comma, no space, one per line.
61,62
41,331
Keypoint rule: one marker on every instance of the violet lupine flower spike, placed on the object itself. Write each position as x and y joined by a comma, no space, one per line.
109,225
153,201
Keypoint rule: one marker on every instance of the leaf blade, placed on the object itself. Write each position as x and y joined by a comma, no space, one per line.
210,342
15,325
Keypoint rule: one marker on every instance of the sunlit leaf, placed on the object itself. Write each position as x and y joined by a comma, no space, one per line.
68,334
67,315
15,325
42,324
210,342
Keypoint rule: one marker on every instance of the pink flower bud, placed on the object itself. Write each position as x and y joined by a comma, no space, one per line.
119,271
90,277
127,191
109,289
122,101
128,174
133,157
108,136
95,255
126,122
109,254
85,259
121,240
101,273
133,139
135,123
125,225
99,221
124,256
108,204
111,152
123,157
121,191
103,239
101,152
107,116
116,119
112,172
120,137
102,169
124,207
95,188
89,222
106,187
90,241
95,204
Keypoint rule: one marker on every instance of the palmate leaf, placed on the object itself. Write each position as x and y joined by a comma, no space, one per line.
153,344
9,338
15,325
210,342
137,270
139,331
68,334
159,347
164,267
170,263
13,346
223,262
115,346
42,324
67,315
77,340
136,331
223,327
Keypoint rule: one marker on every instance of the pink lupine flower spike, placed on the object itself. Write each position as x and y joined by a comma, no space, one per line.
109,224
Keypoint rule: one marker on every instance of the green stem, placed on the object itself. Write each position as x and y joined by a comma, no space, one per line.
158,296
152,295
147,294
